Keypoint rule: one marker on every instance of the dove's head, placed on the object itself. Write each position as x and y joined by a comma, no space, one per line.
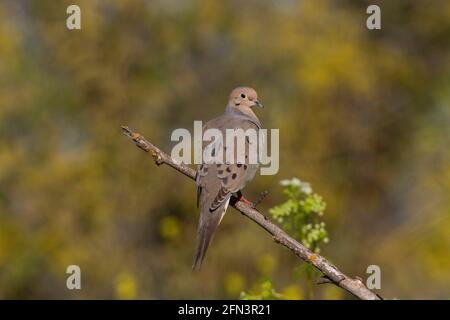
243,97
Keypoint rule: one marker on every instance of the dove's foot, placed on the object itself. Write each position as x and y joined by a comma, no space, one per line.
241,198
244,200
253,205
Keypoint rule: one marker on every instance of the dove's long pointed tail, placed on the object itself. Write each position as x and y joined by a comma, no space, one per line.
204,239
208,224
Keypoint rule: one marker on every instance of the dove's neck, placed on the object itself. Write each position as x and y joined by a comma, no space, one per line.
243,113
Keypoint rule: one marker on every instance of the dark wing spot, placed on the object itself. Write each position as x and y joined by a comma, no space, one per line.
233,176
239,165
228,169
245,167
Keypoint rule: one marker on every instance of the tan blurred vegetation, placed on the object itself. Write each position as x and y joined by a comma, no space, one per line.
363,115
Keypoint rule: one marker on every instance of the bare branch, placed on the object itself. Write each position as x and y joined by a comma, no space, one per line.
330,272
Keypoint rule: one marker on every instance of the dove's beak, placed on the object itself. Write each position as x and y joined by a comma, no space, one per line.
258,104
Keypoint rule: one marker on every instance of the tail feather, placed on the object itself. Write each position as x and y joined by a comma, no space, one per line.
208,224
204,240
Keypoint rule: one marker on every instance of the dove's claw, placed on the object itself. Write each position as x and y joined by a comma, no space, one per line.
251,204
241,198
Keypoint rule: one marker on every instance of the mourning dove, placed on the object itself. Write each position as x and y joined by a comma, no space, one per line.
216,182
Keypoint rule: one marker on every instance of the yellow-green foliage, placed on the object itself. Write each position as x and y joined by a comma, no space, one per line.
301,212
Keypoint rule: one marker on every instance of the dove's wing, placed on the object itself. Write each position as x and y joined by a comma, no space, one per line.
236,175
216,183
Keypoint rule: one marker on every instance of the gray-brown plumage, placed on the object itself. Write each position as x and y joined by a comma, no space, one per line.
216,182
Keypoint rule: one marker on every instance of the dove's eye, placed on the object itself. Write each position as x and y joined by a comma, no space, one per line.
243,96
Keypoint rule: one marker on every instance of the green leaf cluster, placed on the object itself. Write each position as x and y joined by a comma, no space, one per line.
300,215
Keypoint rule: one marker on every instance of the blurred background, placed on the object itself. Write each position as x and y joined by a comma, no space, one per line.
364,116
